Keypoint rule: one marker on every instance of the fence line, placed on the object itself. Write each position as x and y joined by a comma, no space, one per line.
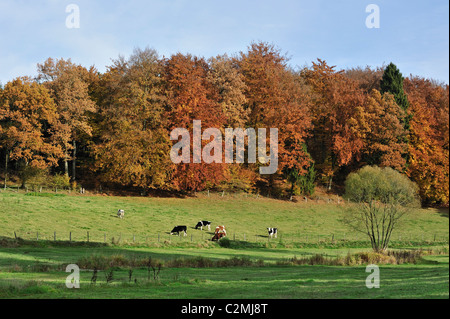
197,237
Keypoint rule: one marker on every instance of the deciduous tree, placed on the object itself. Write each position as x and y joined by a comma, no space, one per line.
382,132
277,98
133,147
225,76
336,138
68,84
383,196
428,163
28,116
191,96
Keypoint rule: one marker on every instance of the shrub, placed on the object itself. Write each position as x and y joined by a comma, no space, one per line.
384,185
60,181
37,178
393,257
383,196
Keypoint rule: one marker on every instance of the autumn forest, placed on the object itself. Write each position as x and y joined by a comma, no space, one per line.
74,126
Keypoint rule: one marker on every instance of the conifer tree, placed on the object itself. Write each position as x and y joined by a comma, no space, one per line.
392,82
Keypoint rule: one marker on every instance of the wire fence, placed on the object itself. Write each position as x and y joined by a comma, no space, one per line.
42,189
202,236
95,236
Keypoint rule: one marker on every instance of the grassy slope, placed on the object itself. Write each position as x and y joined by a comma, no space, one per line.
149,216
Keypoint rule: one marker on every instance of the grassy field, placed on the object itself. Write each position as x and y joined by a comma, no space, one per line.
36,268
30,272
148,217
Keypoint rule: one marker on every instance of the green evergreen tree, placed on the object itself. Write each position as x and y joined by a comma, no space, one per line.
304,182
392,82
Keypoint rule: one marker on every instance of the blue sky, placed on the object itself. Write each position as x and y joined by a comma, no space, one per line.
412,34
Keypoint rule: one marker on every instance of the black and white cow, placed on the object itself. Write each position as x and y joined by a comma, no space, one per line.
178,229
272,231
203,223
120,213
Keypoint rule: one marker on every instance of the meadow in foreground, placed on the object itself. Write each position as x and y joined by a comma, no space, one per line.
194,267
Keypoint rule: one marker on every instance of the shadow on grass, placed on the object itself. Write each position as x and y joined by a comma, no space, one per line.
244,282
7,242
443,211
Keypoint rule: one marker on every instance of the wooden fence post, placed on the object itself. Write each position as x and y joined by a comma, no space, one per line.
70,236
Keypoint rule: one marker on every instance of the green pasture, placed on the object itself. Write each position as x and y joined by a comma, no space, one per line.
149,219
33,266
23,275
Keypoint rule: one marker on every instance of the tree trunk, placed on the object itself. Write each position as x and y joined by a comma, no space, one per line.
329,183
6,167
24,175
66,165
74,160
292,189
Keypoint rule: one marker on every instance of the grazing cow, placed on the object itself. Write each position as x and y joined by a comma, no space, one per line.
178,229
120,213
219,232
272,231
203,223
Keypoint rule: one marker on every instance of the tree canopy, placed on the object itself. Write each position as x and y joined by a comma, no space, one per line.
114,127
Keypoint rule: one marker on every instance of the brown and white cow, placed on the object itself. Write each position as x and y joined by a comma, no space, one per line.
219,232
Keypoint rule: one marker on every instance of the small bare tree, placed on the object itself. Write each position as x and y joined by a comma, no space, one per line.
382,196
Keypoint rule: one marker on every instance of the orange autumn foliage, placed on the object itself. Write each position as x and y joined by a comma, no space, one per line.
429,139
190,96
27,118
